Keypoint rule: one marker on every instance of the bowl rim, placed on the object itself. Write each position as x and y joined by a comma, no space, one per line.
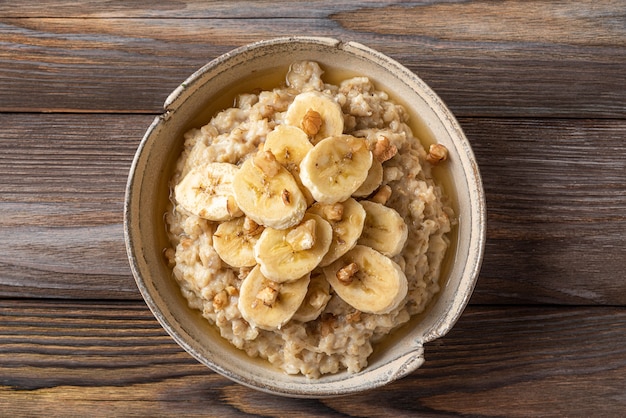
413,358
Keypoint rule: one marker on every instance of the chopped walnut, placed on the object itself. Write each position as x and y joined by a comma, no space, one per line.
345,275
267,296
382,195
286,196
266,162
251,228
311,122
302,237
333,212
437,153
220,300
383,149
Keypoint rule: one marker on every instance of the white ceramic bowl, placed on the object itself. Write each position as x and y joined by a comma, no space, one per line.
146,200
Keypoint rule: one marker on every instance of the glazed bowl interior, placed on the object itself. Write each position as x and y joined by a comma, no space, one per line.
212,88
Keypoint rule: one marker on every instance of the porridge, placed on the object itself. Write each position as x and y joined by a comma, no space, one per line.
305,223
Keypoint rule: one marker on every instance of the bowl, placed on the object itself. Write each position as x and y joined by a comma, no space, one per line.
203,93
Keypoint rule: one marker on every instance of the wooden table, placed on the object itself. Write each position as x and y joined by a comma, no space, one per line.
540,89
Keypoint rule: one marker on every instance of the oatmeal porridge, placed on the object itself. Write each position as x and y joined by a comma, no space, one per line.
305,223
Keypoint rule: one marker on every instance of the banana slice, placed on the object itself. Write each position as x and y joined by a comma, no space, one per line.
234,241
269,305
372,181
336,167
207,192
289,254
367,280
384,229
267,193
347,220
315,300
290,144
317,114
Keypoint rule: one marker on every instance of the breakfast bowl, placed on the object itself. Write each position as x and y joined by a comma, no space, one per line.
175,274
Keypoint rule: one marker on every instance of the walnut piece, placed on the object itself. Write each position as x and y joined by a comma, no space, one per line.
286,196
333,212
383,149
266,162
302,237
311,122
382,195
267,296
220,300
437,153
345,275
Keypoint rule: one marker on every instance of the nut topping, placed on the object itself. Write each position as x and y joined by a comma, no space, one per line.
346,274
333,212
382,195
220,300
303,236
437,153
312,122
384,150
266,296
266,162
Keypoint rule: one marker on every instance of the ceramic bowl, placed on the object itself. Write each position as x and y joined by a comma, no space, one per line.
147,195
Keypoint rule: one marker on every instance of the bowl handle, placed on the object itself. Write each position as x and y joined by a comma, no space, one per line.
404,364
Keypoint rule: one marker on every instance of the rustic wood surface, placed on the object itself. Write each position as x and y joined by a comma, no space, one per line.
540,90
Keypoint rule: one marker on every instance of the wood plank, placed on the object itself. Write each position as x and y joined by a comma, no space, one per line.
181,9
556,203
480,64
62,184
86,357
556,200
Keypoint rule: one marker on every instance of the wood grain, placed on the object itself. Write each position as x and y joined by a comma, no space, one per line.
197,9
62,183
556,202
59,356
538,87
566,65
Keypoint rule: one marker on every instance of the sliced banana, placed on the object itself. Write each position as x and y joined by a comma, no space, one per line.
336,167
384,229
317,114
234,241
347,219
267,304
207,192
372,181
268,194
367,280
315,300
290,144
289,254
